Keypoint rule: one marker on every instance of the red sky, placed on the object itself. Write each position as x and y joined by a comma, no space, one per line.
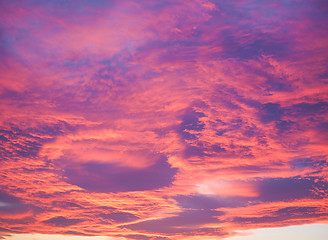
162,119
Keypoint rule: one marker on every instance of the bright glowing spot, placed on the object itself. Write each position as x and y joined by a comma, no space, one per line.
222,187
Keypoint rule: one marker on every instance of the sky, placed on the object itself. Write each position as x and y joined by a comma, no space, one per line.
163,120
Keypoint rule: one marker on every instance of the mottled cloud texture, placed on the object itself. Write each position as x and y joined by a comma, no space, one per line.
143,119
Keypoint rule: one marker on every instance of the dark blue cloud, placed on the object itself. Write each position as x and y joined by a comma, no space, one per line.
192,151
315,163
107,177
282,189
186,221
22,213
52,130
5,230
119,217
190,121
245,39
308,109
277,85
13,205
323,127
250,48
62,221
206,202
3,138
284,126
27,146
270,112
283,214
83,7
